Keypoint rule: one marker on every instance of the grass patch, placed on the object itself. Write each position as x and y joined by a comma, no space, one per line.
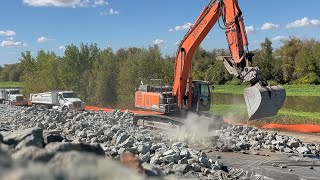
230,89
292,90
8,84
285,116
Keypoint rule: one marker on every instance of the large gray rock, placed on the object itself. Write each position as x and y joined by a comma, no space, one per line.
82,134
185,153
143,149
205,162
121,138
91,135
73,165
293,144
169,152
151,170
14,138
145,157
1,138
170,158
287,150
181,168
303,150
70,146
127,143
108,133
5,161
34,154
154,147
49,138
180,144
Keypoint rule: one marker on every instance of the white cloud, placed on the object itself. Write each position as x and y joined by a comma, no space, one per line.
304,22
7,33
113,12
43,39
253,42
110,12
182,27
57,3
66,3
12,44
267,26
10,38
250,29
279,38
62,48
99,3
158,42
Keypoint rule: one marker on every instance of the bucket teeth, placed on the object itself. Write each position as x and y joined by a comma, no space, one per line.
265,101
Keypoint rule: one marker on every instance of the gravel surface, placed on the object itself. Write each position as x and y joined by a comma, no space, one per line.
47,144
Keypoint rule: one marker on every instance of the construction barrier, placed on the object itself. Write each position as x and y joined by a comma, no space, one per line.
305,128
93,108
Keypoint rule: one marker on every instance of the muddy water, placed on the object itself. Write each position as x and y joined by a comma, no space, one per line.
302,103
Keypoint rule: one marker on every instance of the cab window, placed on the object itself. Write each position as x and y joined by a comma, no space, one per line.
204,90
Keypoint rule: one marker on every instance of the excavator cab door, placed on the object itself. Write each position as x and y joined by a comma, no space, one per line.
201,96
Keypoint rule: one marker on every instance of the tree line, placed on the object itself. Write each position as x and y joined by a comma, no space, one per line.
103,77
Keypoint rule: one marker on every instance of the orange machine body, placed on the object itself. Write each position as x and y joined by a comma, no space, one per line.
156,98
147,100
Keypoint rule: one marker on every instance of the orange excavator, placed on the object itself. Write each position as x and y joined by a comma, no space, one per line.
187,94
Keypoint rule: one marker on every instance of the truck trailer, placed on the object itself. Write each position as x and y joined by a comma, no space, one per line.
59,100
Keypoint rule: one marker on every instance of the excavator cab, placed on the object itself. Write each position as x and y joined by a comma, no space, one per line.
201,96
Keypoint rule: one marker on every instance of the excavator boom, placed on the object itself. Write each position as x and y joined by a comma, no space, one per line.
238,64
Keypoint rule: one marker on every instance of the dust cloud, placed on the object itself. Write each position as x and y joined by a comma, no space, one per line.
197,130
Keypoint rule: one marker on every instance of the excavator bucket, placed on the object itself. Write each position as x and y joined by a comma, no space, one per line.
263,101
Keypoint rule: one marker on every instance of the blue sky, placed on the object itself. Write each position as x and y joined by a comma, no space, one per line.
52,24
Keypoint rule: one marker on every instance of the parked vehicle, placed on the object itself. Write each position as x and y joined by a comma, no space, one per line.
56,99
12,97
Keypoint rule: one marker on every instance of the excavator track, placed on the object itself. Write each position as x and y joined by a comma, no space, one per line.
158,121
171,123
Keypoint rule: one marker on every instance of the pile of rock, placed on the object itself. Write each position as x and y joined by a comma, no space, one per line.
41,140
241,138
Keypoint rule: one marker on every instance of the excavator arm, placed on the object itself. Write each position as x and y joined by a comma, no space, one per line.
239,64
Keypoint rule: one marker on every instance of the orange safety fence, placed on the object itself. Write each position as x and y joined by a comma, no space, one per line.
305,128
93,108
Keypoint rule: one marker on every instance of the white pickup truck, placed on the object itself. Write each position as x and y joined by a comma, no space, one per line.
60,100
12,97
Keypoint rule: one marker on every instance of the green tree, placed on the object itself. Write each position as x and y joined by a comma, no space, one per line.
40,74
105,72
202,59
264,59
141,65
11,72
288,52
215,73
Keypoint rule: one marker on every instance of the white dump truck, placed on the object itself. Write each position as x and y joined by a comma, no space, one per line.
12,97
59,100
